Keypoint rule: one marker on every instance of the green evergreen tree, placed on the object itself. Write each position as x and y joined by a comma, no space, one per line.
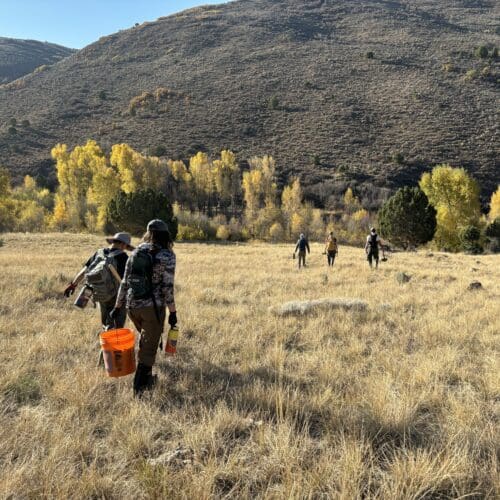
132,211
470,237
407,218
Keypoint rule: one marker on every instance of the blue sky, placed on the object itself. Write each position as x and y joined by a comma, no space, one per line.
76,23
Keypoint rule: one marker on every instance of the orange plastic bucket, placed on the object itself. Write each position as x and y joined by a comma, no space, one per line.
118,349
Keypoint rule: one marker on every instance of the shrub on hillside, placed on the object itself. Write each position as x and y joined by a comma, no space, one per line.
145,100
398,158
482,52
131,212
407,218
471,74
370,55
274,102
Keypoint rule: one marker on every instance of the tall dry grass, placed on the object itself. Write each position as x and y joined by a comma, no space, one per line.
400,400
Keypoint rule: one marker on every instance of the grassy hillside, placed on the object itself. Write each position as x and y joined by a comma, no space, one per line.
291,78
397,401
20,57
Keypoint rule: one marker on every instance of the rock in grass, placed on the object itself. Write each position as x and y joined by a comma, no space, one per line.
403,278
475,285
300,308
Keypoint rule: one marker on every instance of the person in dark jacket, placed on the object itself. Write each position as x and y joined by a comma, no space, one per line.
373,243
301,247
147,292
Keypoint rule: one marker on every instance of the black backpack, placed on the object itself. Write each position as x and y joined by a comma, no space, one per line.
141,273
302,245
373,241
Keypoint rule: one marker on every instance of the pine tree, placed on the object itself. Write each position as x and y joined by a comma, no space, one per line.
407,218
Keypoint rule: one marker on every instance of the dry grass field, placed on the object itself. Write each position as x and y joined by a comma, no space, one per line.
400,400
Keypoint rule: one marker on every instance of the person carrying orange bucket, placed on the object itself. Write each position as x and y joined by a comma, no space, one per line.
147,289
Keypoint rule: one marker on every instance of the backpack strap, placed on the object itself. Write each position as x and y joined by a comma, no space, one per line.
152,253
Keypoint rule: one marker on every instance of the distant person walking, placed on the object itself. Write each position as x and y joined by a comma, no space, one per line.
373,243
147,290
302,246
102,280
331,249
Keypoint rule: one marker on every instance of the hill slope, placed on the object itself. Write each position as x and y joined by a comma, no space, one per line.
20,57
371,122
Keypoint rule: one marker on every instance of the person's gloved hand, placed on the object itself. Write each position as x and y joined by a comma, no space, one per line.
69,290
114,313
172,319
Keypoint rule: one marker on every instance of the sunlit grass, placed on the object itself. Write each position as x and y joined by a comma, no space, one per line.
396,400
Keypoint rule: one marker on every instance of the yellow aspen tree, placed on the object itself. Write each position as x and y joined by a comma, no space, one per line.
495,205
125,160
227,178
455,196
105,186
201,172
182,181
4,182
59,219
267,166
154,172
291,202
351,202
252,193
75,170
297,224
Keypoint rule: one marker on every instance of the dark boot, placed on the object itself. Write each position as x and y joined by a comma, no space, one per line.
144,379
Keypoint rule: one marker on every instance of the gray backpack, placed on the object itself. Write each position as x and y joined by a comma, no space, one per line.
100,278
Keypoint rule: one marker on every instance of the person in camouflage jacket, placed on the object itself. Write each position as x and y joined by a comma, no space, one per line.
148,311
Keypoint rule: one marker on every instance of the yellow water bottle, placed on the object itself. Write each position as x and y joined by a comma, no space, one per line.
171,346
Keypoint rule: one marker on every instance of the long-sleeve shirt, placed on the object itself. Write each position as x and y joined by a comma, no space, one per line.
162,280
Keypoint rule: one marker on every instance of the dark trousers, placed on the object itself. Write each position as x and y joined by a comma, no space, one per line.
330,255
107,322
150,330
373,256
302,258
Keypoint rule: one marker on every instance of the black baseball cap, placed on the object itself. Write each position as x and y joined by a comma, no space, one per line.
157,225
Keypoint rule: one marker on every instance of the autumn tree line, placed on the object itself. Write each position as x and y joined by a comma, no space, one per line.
210,198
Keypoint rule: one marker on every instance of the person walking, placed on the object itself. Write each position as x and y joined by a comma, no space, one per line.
302,246
102,273
146,291
331,249
373,243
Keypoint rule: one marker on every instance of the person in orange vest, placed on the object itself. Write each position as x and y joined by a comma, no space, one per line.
331,249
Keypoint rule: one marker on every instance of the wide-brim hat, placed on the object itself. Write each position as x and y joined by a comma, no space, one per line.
121,238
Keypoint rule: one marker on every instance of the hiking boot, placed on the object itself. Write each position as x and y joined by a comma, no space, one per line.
144,380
